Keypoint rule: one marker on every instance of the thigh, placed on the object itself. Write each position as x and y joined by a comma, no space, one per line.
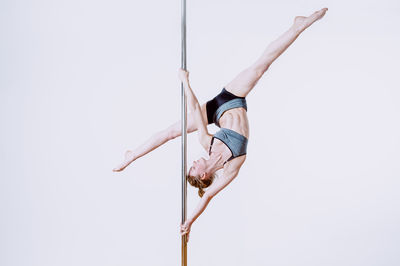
244,82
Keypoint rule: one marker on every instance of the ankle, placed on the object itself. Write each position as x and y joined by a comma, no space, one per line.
300,24
297,29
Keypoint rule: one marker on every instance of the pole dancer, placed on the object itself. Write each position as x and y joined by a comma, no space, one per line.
227,147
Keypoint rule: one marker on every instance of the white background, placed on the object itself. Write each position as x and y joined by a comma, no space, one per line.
81,81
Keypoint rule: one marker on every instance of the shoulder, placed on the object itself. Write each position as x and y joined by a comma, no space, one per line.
231,170
234,165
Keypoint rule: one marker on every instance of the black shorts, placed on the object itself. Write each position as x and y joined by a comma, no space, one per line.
212,105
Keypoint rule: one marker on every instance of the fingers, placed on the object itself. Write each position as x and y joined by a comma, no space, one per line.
184,229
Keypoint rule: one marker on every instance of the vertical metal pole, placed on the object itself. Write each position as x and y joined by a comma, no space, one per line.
184,130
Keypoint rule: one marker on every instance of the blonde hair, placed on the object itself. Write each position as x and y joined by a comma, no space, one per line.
200,184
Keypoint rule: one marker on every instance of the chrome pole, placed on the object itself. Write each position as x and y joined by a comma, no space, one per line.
184,130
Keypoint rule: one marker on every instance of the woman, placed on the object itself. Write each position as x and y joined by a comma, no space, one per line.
226,148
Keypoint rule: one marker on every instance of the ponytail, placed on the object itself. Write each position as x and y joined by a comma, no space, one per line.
200,184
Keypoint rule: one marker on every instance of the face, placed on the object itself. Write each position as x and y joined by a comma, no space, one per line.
198,167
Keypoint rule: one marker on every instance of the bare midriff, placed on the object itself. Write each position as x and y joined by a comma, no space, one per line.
236,120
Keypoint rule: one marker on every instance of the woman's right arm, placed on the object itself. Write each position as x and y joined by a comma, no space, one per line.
195,109
230,173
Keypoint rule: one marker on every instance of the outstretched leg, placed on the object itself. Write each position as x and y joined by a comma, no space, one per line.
159,139
243,83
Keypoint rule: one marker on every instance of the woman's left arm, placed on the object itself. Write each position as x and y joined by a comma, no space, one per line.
230,173
195,109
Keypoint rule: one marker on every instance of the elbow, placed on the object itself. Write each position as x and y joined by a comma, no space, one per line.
193,106
196,107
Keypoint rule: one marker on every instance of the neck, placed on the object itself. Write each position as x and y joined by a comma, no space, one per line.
216,163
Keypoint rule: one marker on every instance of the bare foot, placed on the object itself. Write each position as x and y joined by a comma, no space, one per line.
302,23
129,158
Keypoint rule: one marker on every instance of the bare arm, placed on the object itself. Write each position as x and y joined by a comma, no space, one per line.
216,186
195,109
232,170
